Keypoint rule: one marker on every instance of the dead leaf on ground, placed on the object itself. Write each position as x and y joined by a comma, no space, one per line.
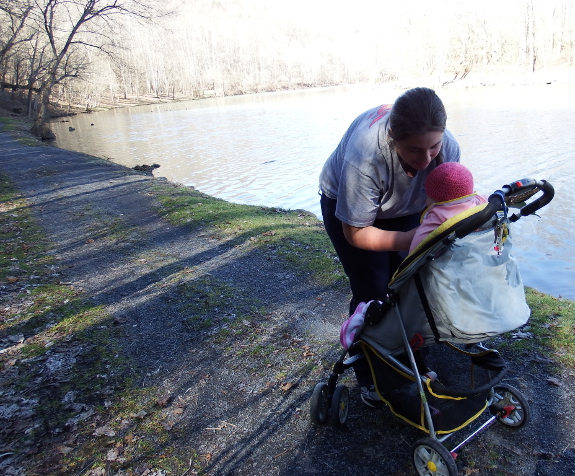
287,386
124,424
63,449
554,381
141,414
469,471
12,279
91,240
307,351
10,363
96,472
164,401
115,454
168,425
105,430
112,455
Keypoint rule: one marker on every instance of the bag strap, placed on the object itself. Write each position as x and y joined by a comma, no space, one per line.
425,304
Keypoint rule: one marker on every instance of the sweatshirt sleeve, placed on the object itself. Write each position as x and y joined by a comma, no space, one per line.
430,222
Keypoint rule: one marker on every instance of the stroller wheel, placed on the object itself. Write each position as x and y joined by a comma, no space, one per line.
431,458
339,406
319,404
511,405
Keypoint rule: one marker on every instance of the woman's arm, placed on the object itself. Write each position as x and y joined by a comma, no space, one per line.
374,239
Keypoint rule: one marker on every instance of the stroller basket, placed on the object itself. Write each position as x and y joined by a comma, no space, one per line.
453,405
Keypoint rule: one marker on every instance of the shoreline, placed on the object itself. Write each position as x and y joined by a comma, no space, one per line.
550,291
558,75
178,169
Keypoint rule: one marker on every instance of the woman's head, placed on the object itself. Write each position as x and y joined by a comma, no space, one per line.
417,111
415,127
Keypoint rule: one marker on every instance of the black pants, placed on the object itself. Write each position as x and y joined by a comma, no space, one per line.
369,272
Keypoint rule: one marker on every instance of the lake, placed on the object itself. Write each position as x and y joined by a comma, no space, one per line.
268,149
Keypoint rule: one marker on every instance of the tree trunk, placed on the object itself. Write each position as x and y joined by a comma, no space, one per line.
40,128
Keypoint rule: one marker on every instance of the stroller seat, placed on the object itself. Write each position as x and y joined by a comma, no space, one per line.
459,290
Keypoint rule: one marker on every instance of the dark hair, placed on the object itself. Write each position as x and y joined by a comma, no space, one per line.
417,111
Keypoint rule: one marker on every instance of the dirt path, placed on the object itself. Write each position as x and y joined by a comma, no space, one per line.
243,405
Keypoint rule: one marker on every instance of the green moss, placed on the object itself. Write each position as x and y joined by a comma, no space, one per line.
22,245
19,128
205,302
551,329
297,237
553,325
32,350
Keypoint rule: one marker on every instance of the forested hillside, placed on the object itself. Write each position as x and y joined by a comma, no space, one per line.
83,52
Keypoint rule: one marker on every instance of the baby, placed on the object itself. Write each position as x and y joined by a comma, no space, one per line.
449,190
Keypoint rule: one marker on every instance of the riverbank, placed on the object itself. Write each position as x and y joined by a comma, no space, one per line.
11,105
148,329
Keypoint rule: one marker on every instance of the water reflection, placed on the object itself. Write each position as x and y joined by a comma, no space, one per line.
268,149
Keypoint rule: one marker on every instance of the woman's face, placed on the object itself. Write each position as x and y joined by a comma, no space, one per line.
418,151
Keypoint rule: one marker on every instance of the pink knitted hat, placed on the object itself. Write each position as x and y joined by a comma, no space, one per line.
449,181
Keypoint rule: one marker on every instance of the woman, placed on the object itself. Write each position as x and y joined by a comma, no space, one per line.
372,190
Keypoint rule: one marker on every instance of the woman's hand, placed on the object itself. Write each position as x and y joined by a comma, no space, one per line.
374,239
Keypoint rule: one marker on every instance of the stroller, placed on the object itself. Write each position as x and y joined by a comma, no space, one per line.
458,288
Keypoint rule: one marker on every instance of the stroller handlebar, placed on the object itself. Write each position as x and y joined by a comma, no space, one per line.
531,186
520,188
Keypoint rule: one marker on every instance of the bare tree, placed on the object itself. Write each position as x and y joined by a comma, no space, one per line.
69,26
14,15
36,69
530,37
13,18
236,46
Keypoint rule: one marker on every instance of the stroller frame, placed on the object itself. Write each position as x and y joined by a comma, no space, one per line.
505,403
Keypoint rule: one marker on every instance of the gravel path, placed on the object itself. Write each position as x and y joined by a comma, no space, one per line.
241,417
